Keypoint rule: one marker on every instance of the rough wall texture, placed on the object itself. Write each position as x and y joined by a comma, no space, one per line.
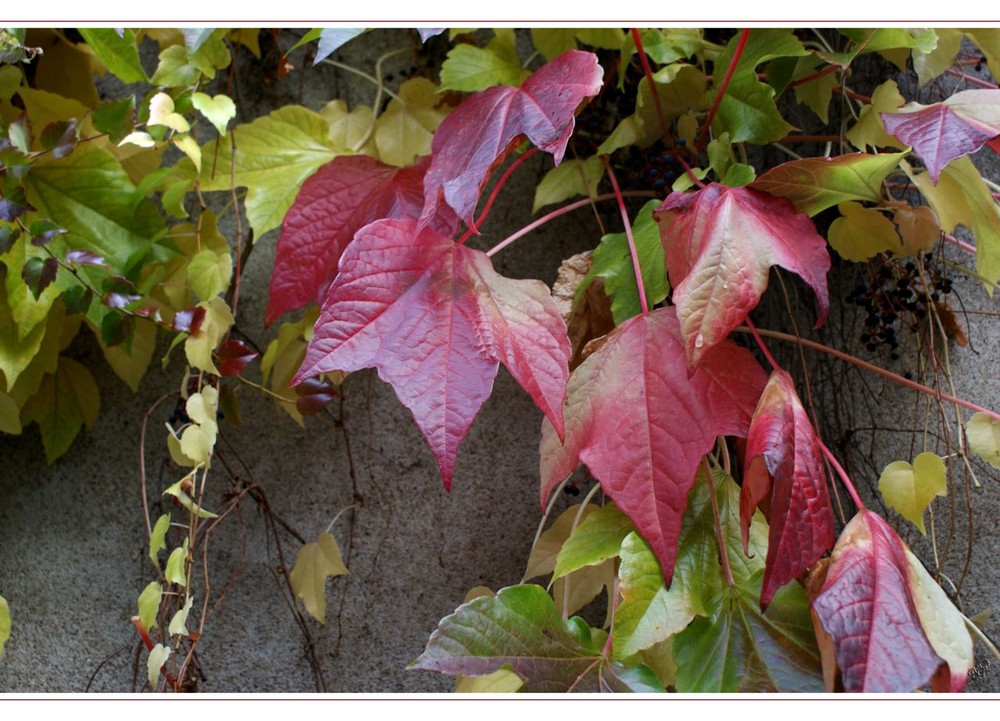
72,538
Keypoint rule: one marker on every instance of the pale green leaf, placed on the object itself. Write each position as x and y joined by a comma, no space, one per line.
909,489
571,178
199,346
816,93
174,571
140,138
604,38
25,363
552,42
275,154
869,131
595,540
158,538
209,273
469,68
10,81
175,69
65,402
218,110
282,359
405,130
4,623
10,415
27,310
178,624
931,64
157,657
119,53
161,112
983,433
861,233
350,131
189,146
178,492
149,604
316,562
502,680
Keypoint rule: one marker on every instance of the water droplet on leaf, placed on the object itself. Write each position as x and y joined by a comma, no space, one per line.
699,340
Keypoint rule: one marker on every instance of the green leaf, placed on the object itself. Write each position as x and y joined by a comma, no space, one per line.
909,489
4,623
178,492
595,540
762,44
571,178
131,360
748,112
869,131
119,53
199,345
613,262
27,308
209,273
65,402
116,118
469,68
553,42
149,604
175,69
158,656
542,559
275,154
815,184
930,65
316,562
521,629
740,649
983,433
158,538
861,233
174,572
178,624
218,110
89,194
816,93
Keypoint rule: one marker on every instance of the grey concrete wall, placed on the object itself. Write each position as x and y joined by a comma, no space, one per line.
72,539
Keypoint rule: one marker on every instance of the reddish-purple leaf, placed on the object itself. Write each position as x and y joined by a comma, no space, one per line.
233,356
120,300
148,311
785,464
342,197
38,274
314,395
642,426
85,257
189,320
866,607
435,319
720,244
941,132
60,137
488,125
11,211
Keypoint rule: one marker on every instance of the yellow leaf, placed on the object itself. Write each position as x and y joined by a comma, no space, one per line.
348,128
404,131
315,563
149,604
158,539
931,64
500,681
161,112
157,657
869,130
178,624
862,232
209,273
282,360
178,492
131,364
190,148
983,433
199,346
174,571
4,623
218,110
910,489
918,228
65,401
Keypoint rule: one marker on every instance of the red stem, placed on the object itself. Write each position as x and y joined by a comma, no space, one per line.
843,475
762,345
652,84
960,243
562,211
725,82
814,76
628,234
474,228
971,79
148,643
688,171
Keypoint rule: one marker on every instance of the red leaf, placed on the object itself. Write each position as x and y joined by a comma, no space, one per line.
342,197
782,448
435,319
642,426
941,132
995,145
719,244
488,125
189,320
314,395
866,607
233,357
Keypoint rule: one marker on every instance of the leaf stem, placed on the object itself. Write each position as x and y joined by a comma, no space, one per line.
474,228
687,170
845,479
815,76
762,345
971,79
563,211
628,234
967,247
641,52
913,385
741,43
723,556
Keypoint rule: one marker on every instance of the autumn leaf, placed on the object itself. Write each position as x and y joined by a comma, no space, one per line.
641,425
720,244
943,131
983,433
234,356
521,629
869,605
404,131
4,623
487,126
785,466
158,656
66,401
860,233
909,489
869,130
342,197
316,562
436,320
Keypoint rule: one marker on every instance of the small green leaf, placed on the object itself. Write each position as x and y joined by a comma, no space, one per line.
209,273
931,64
748,112
175,69
60,137
19,133
469,68
158,538
178,624
174,572
116,118
218,110
149,604
157,657
4,623
119,53
595,540
8,236
161,112
983,433
571,178
315,563
200,344
178,492
909,489
38,274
